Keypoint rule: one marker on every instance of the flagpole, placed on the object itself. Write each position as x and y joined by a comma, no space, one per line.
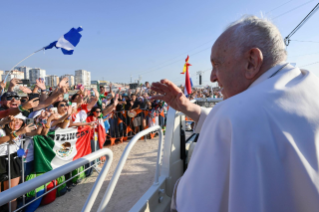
5,79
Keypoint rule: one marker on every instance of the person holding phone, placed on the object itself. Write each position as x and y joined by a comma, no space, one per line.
79,118
12,132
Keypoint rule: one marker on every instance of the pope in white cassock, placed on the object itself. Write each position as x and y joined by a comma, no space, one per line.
258,149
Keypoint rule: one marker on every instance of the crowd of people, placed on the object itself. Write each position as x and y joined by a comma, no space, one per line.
39,111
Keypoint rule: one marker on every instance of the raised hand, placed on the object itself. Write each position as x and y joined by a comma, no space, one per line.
116,99
171,94
31,104
2,84
174,97
64,82
28,128
25,89
70,110
40,84
54,116
14,82
8,119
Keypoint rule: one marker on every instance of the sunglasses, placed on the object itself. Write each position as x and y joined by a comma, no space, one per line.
63,105
15,97
98,111
23,100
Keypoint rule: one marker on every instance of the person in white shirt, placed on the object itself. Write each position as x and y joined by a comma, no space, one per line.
258,149
12,133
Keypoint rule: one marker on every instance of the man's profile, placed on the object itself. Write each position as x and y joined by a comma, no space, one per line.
258,149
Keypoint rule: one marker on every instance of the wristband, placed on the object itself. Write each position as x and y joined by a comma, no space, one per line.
47,126
12,136
14,133
21,109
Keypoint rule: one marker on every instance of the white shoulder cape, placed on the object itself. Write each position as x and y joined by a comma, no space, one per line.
258,150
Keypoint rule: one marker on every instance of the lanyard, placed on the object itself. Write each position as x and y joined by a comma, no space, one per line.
20,151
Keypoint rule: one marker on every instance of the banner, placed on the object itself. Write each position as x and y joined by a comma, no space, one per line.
60,147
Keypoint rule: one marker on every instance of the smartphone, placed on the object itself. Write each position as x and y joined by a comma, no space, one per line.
29,121
33,96
66,96
54,110
74,105
92,93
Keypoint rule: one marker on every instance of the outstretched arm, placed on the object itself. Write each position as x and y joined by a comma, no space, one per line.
174,97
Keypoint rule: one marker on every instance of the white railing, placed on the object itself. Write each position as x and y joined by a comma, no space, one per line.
107,196
21,189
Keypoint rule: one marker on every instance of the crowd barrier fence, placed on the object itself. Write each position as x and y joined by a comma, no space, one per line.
127,123
2,202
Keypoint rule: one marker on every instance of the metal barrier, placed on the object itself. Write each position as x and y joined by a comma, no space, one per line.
21,189
106,198
124,126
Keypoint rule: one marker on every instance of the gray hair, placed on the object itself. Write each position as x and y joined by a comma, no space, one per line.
254,32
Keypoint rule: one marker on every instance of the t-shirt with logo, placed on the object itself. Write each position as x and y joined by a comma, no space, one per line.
14,146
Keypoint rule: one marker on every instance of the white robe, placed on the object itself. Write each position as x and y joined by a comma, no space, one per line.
258,150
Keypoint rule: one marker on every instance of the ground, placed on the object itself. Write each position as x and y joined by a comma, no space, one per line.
137,176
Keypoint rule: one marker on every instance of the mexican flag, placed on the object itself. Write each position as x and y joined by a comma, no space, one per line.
60,147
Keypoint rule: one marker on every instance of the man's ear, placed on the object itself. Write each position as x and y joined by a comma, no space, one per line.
254,59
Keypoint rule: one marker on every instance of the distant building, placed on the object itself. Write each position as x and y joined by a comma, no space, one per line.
13,74
36,73
25,70
83,77
52,80
70,77
1,73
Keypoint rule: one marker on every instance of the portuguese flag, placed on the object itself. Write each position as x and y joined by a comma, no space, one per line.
60,147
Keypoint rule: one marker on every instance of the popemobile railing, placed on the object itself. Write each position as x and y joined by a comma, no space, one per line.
20,190
107,195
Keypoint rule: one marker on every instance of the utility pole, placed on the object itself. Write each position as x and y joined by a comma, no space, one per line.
200,76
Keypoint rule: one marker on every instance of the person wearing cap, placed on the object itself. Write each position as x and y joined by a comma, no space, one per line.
11,105
12,100
14,129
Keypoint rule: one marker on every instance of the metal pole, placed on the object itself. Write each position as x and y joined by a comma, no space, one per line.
159,150
9,169
98,184
21,189
107,195
22,162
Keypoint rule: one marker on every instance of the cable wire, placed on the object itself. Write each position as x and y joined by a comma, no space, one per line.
279,6
305,41
287,39
309,64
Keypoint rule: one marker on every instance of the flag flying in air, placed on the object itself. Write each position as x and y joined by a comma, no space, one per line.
60,147
188,80
67,42
185,68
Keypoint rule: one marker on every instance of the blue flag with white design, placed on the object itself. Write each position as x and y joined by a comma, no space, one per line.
67,42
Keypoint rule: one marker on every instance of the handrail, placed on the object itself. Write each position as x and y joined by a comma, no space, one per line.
23,188
107,196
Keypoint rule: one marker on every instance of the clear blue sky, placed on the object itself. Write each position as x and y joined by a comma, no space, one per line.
148,38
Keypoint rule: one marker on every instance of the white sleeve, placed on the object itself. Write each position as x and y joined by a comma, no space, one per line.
203,114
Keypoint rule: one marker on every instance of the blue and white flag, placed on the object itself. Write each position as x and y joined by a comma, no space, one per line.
67,42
